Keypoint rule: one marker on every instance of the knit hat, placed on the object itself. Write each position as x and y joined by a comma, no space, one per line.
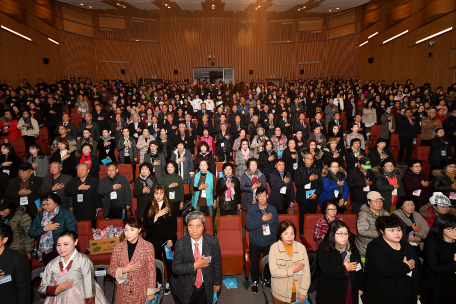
332,139
439,199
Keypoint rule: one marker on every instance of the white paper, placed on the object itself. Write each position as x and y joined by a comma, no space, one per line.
113,195
24,200
283,190
100,273
172,195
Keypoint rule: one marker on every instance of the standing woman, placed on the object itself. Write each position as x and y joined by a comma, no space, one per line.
133,266
87,139
29,128
128,154
38,160
380,153
388,124
64,155
440,262
440,150
156,159
229,192
90,159
334,185
203,190
203,152
329,209
251,180
106,147
390,261
292,157
161,225
258,142
354,154
340,267
289,266
334,151
174,186
165,143
242,156
317,153
417,184
369,116
143,144
183,158
267,160
143,187
70,277
389,183
9,160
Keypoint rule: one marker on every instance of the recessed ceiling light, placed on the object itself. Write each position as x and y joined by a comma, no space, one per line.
124,6
337,8
90,6
118,3
82,3
259,5
303,7
169,6
299,9
329,10
137,40
213,7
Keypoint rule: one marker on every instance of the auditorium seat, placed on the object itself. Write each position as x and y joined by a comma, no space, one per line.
230,239
44,133
76,118
180,227
422,153
394,143
84,236
374,135
18,144
309,226
127,171
102,222
350,220
208,227
134,205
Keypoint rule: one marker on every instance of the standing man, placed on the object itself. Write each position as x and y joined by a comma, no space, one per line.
360,181
116,191
407,134
52,116
89,124
282,191
57,182
262,222
309,185
197,263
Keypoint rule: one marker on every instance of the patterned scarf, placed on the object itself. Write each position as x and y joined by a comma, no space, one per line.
345,253
392,174
229,192
46,240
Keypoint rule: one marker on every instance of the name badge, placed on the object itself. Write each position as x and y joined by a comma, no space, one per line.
6,171
417,192
409,274
295,166
283,190
172,195
100,273
113,195
24,200
367,189
266,230
453,195
203,193
336,193
126,153
443,152
80,198
222,144
358,267
5,279
394,192
307,186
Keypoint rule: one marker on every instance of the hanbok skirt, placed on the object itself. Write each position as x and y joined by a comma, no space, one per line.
75,295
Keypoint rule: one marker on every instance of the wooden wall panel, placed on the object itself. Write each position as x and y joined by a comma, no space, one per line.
79,28
346,48
434,9
77,55
311,24
342,19
341,30
111,22
76,15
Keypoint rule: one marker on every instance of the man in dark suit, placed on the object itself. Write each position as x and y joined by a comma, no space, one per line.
249,117
190,126
197,263
170,125
362,126
302,125
234,112
270,124
101,117
202,112
236,127
218,123
56,182
263,114
336,122
89,124
52,115
136,127
24,190
117,127
205,123
318,122
71,127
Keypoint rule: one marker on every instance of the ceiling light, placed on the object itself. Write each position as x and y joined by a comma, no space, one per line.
82,3
118,3
372,35
363,43
337,8
169,6
329,10
404,32
436,34
124,6
53,40
213,7
303,7
137,40
16,33
90,6
299,9
259,5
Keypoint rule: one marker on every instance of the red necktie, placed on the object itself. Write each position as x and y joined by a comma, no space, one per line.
199,272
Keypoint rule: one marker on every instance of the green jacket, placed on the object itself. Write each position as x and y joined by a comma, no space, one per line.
168,179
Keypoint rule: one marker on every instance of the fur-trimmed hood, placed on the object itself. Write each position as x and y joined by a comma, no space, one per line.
440,173
324,172
379,170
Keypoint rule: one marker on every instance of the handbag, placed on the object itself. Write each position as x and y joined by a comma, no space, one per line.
188,207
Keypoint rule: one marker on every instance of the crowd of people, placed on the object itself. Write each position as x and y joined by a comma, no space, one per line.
251,148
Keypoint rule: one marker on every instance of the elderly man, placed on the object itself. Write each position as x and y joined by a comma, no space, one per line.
136,127
63,131
197,263
204,111
83,189
89,124
205,123
116,191
24,190
56,182
71,127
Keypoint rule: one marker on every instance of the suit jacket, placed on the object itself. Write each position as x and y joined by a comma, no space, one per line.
114,133
268,131
46,187
71,126
87,209
95,129
124,197
103,123
12,191
234,130
199,114
18,290
210,127
314,123
298,126
4,181
131,128
186,274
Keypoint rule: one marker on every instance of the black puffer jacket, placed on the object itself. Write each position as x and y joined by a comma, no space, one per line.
442,183
220,192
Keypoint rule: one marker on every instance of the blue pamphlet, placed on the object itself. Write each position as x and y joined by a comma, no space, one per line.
221,174
106,161
38,203
230,283
153,302
279,154
123,214
169,254
299,302
309,193
214,297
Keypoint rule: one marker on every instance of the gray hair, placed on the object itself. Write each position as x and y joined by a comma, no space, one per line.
58,163
83,164
224,123
194,215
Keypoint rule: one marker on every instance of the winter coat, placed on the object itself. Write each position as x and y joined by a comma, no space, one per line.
369,116
328,155
356,181
384,131
43,165
255,145
221,190
330,186
318,161
351,160
32,132
159,169
442,183
427,211
248,198
290,161
385,189
428,127
143,146
406,129
185,168
412,182
440,151
367,230
265,165
375,159
241,163
406,225
20,225
276,183
302,179
132,151
143,198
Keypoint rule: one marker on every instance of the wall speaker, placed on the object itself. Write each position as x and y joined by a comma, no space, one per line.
122,71
301,72
371,59
251,72
431,54
45,60
176,72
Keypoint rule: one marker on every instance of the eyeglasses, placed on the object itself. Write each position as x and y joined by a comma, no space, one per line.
342,234
46,205
452,230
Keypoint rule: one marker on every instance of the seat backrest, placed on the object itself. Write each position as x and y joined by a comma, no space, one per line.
134,205
309,226
102,173
127,171
18,144
180,227
208,225
76,118
294,219
101,223
84,235
350,220
423,153
394,141
230,223
219,170
44,133
375,130
137,170
186,189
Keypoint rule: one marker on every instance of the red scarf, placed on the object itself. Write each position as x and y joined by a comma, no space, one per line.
393,181
86,158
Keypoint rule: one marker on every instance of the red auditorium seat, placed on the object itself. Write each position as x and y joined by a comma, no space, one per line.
422,153
84,236
102,222
374,135
230,239
208,227
180,227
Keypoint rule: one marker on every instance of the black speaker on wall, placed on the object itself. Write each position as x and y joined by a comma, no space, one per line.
431,54
371,59
122,71
45,60
251,72
301,72
176,72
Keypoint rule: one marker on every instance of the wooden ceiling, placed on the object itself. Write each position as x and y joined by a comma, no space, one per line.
271,9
